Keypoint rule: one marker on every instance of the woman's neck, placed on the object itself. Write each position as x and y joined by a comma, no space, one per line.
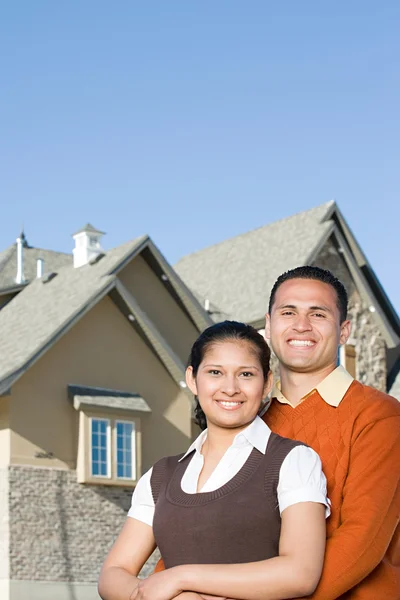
219,439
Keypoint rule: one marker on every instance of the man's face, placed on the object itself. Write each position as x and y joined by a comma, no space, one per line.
304,326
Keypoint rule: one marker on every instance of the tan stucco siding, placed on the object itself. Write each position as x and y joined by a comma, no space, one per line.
4,431
102,350
150,292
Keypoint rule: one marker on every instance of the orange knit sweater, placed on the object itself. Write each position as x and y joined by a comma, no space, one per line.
359,445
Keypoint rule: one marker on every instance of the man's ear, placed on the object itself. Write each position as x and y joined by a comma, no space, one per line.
267,326
268,384
191,381
345,330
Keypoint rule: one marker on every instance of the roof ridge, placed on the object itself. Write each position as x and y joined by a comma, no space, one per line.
328,205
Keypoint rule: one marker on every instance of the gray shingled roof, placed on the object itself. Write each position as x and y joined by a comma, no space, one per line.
41,311
237,275
53,261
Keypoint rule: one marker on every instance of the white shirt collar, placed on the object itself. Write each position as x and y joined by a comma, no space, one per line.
257,434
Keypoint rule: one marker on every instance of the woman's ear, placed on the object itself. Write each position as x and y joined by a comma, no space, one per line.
191,381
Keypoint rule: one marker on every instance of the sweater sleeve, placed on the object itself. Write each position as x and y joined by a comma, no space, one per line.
370,510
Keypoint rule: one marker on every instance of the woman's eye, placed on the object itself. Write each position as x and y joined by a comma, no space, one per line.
247,374
214,372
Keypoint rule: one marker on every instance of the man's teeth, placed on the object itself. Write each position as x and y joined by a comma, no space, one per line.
301,343
229,404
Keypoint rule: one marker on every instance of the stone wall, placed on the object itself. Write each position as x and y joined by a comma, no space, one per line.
369,344
61,530
4,525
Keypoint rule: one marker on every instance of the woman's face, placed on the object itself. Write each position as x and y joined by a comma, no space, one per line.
230,384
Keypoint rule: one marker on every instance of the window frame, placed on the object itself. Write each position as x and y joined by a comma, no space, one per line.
84,458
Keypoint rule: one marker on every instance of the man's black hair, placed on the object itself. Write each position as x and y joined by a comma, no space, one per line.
317,274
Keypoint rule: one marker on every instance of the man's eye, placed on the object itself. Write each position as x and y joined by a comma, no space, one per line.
287,312
319,315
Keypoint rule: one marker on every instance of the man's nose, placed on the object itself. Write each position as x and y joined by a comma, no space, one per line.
302,323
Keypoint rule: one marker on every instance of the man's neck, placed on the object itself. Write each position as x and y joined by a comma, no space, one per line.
294,385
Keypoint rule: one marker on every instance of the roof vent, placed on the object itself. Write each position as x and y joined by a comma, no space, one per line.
95,259
48,277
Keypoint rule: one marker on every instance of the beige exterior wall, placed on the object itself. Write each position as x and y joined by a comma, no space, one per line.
4,431
150,292
101,350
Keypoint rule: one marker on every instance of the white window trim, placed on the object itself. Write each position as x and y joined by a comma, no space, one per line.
84,459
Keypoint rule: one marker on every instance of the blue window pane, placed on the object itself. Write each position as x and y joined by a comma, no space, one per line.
99,447
124,449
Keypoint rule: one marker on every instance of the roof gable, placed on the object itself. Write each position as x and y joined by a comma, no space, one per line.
237,274
47,308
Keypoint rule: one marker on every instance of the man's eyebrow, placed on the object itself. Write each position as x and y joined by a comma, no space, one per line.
286,306
324,308
292,306
208,365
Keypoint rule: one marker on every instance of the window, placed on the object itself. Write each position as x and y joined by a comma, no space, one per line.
109,439
100,442
108,450
125,450
347,358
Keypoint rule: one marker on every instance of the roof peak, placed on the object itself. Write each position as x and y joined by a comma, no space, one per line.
88,228
328,205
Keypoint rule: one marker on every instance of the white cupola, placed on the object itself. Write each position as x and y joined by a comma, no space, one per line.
87,245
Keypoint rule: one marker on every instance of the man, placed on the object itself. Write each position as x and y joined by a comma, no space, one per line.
354,428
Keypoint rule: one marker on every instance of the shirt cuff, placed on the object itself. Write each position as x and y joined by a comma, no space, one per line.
304,495
142,513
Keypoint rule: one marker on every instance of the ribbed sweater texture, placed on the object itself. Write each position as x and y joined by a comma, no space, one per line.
359,445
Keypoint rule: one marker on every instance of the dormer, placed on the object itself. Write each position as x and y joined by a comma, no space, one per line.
87,245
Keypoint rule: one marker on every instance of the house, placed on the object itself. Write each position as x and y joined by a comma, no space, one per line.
233,279
92,392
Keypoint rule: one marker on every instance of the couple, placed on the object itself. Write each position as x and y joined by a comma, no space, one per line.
242,514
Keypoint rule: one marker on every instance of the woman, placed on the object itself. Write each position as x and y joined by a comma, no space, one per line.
242,513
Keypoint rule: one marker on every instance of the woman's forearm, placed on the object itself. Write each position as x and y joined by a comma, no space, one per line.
116,583
274,579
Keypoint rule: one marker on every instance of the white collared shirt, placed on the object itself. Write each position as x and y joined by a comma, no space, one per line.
300,479
332,389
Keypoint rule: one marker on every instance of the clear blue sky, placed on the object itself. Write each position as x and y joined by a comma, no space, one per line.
194,121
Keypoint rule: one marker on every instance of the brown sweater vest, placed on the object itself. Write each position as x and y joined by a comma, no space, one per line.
239,522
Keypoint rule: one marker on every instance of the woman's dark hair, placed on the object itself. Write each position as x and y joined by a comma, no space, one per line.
225,332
